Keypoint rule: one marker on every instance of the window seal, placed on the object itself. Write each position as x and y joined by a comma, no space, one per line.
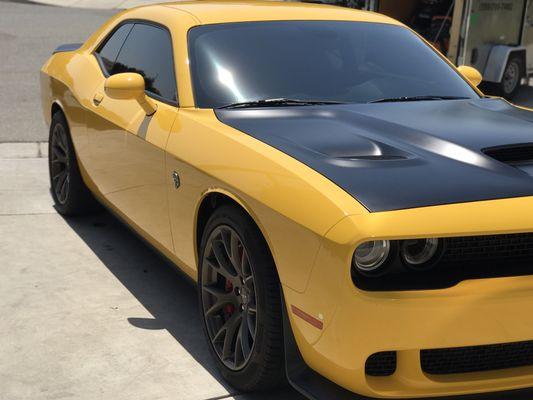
138,21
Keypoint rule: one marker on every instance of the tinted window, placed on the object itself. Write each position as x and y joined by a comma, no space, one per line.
315,60
148,51
109,51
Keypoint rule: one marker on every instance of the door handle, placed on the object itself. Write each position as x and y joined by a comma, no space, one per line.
97,99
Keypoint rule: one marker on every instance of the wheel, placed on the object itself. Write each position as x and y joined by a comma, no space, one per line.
71,196
240,302
512,78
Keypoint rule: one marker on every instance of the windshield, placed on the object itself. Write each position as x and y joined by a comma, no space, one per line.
330,61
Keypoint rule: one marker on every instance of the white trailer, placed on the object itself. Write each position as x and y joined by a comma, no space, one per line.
494,36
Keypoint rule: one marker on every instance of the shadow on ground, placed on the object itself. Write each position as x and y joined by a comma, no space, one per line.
167,295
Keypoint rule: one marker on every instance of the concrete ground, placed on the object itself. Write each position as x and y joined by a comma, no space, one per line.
525,96
88,311
28,35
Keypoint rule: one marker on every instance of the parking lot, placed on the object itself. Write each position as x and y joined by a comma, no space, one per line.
87,310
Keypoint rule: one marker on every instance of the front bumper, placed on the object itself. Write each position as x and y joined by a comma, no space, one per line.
357,324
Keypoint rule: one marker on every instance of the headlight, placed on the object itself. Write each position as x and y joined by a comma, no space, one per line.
370,256
419,253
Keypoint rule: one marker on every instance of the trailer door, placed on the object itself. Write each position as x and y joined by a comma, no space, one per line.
491,22
528,36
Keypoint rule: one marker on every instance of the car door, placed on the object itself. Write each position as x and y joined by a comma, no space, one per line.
127,147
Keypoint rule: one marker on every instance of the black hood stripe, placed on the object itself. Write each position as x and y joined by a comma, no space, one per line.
394,156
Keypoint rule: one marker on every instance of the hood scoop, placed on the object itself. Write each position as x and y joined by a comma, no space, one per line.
515,154
371,150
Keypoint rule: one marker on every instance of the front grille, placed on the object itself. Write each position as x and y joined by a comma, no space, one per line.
477,358
381,364
491,247
513,155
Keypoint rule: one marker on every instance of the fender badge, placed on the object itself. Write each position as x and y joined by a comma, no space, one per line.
176,179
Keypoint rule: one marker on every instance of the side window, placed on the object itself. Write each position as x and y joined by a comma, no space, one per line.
148,51
108,52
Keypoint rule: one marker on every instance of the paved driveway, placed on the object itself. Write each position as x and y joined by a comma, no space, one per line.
87,310
525,96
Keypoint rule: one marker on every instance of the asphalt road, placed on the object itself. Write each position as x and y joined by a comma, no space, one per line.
28,35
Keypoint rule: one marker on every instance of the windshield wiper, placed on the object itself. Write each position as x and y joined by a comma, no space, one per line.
279,102
417,98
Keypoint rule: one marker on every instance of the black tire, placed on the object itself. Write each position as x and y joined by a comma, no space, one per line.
512,78
264,369
71,195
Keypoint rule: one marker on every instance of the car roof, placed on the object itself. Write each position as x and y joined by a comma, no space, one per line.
221,11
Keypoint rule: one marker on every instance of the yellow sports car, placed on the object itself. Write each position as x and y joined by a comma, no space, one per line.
357,215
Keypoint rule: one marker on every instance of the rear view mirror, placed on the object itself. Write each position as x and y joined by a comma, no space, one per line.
471,74
129,86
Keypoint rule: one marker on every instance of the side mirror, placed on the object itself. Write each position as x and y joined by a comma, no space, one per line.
471,74
129,86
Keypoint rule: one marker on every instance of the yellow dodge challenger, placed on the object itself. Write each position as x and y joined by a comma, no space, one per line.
357,215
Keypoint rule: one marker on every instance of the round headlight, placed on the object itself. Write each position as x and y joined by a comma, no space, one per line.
419,253
369,256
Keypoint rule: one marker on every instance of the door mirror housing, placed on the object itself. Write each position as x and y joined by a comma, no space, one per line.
129,86
471,74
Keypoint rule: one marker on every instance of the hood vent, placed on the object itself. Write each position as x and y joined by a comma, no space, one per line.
378,157
516,154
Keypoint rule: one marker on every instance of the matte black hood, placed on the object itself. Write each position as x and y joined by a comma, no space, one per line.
393,156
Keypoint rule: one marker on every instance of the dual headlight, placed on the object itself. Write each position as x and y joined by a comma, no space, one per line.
373,258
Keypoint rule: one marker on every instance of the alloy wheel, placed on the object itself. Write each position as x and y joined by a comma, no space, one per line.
228,297
59,163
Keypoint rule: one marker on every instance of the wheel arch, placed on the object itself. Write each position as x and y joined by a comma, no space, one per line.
497,62
211,201
56,107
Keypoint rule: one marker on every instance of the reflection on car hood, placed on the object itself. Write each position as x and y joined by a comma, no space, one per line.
394,156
